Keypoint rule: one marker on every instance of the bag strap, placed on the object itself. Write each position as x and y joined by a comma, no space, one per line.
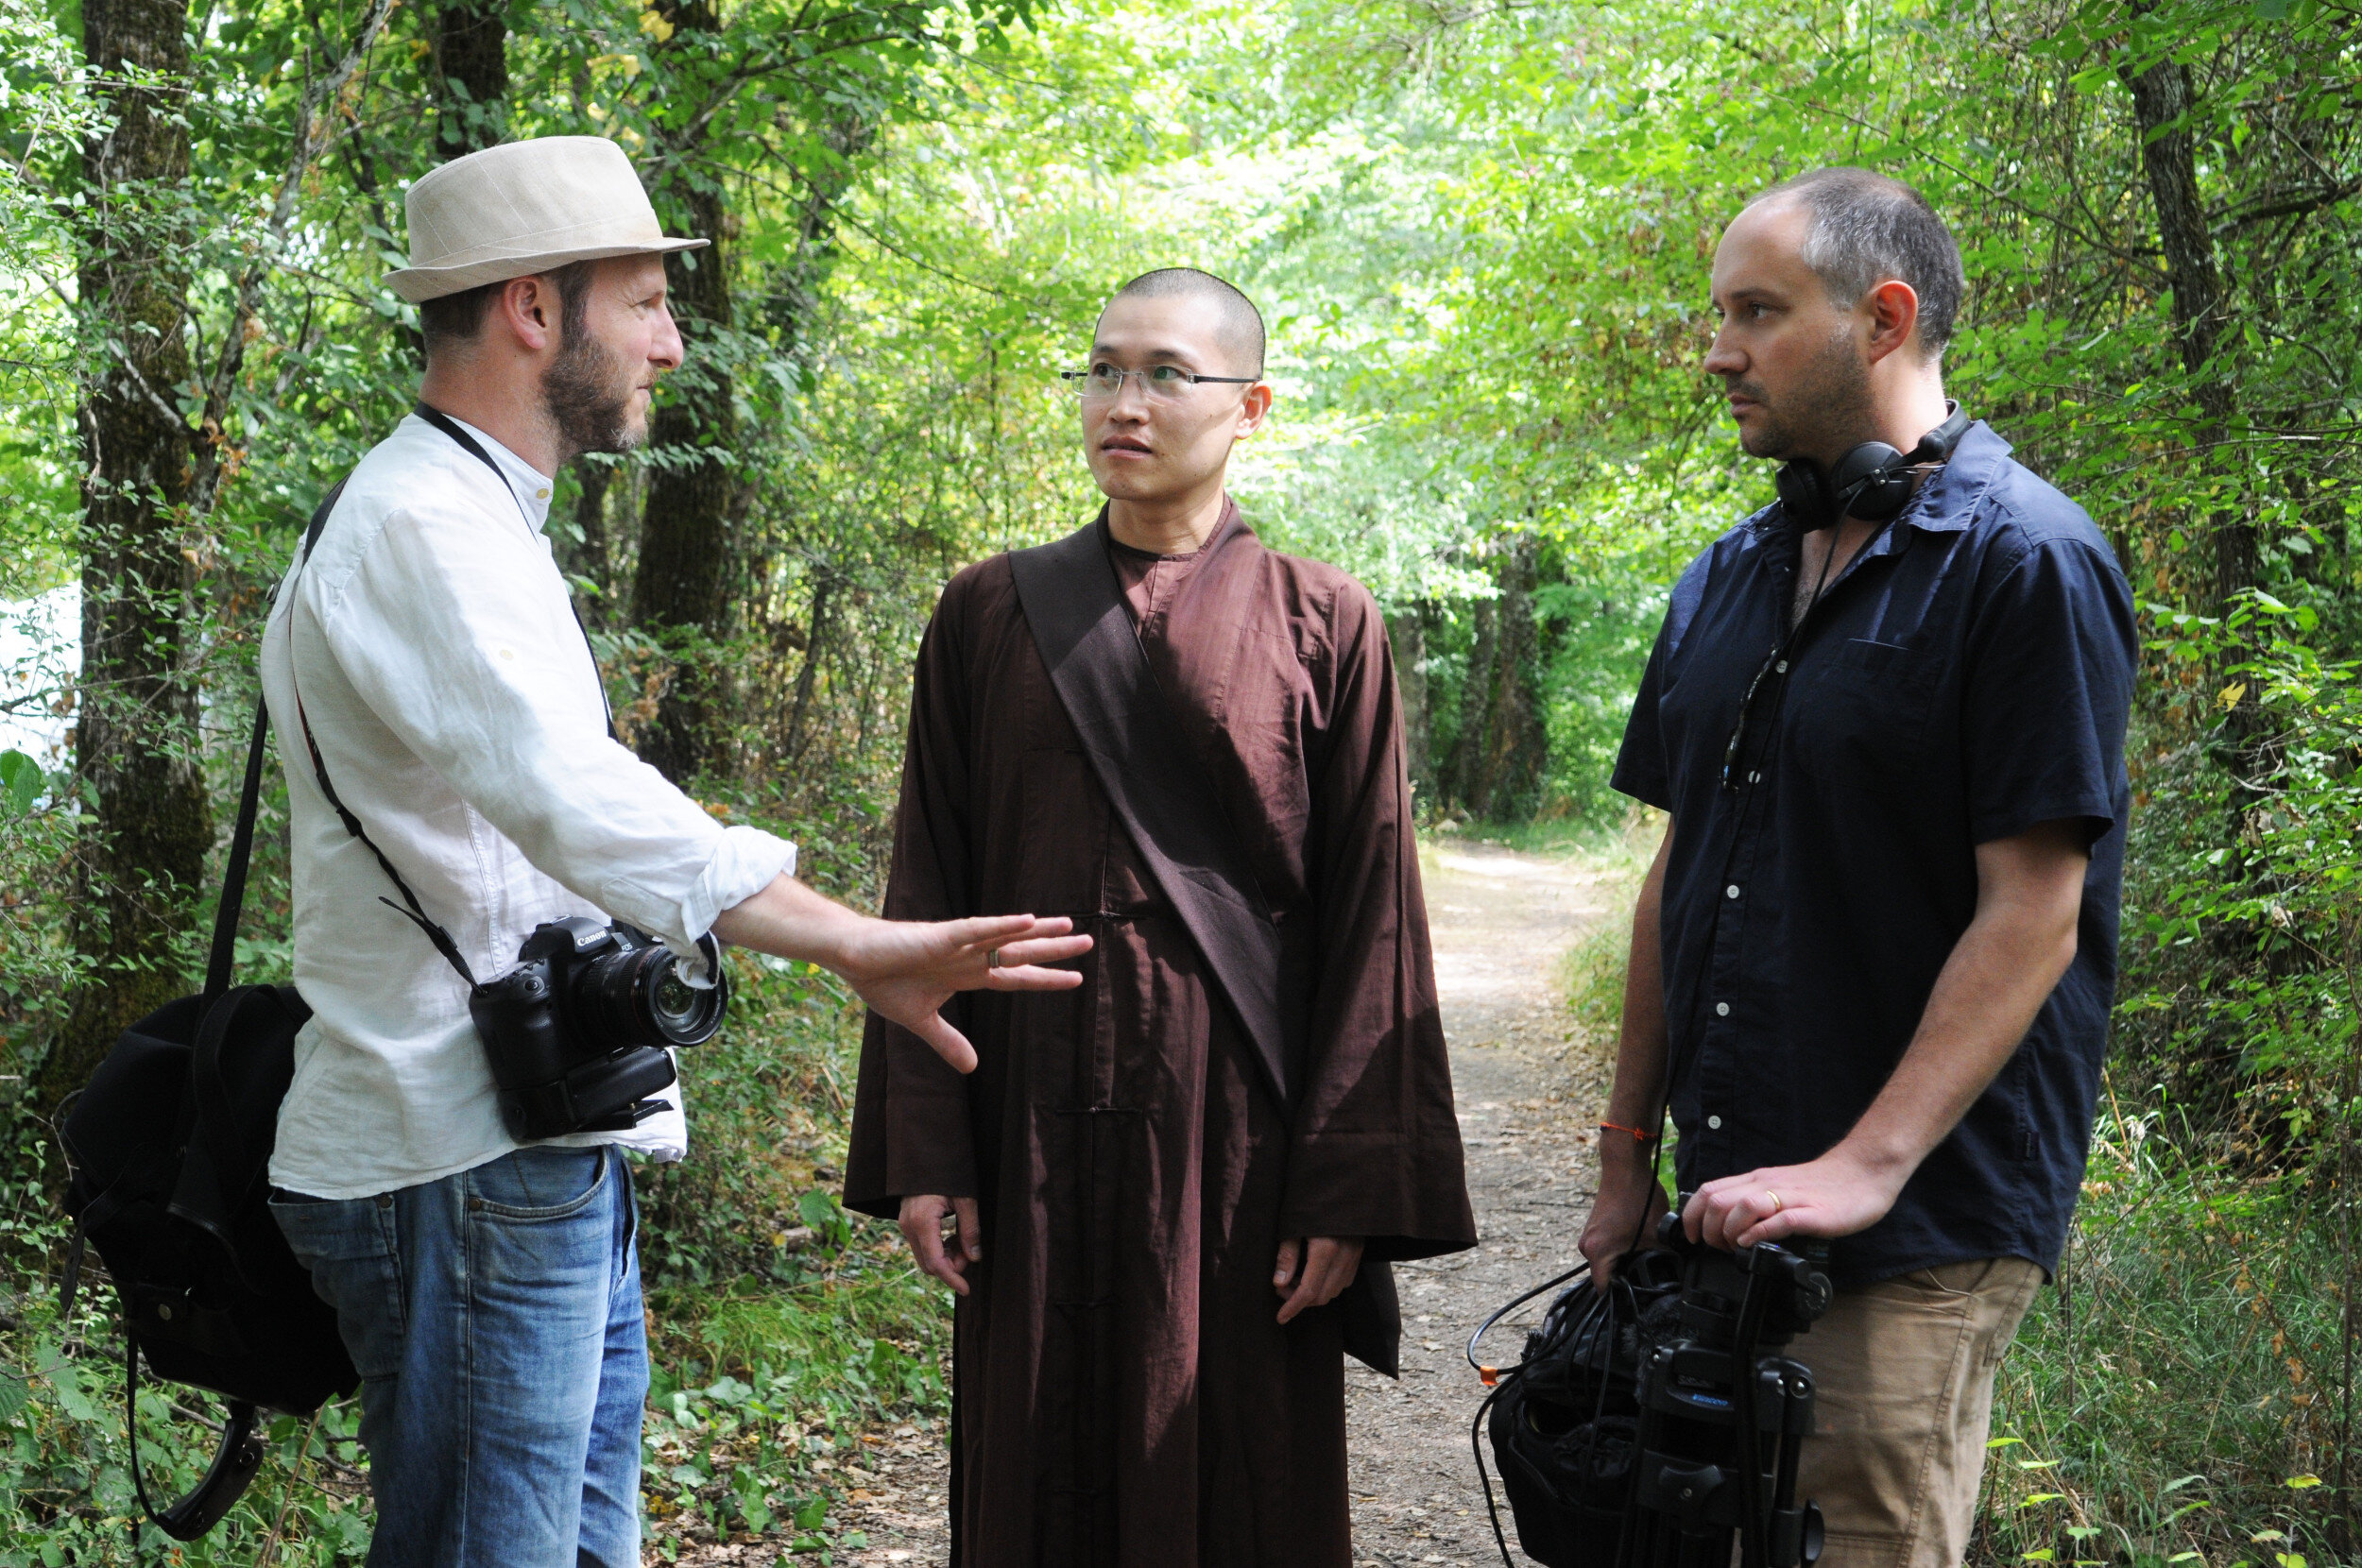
221,958
234,1463
1075,606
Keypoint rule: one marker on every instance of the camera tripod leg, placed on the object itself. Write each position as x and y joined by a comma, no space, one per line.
1793,1537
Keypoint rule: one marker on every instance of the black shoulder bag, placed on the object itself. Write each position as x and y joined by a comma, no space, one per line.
168,1147
1140,753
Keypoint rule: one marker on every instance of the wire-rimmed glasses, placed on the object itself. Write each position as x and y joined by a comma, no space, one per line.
1159,383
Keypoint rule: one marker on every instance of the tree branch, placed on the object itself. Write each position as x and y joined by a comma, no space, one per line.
315,132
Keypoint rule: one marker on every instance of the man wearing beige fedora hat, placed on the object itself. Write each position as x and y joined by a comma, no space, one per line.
483,1045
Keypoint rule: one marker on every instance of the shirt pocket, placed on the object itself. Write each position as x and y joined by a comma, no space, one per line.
1862,714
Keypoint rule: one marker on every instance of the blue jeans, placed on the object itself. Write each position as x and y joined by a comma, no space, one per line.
496,1321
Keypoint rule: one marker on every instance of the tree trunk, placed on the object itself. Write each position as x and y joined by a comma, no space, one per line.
136,741
1501,749
815,646
692,570
589,556
471,76
2160,97
686,591
1407,630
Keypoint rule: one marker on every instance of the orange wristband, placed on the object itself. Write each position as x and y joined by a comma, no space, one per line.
1637,1136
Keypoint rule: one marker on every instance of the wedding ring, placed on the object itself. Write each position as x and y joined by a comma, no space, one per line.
992,958
1776,1204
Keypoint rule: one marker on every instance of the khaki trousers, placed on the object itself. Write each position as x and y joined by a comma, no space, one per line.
1903,1377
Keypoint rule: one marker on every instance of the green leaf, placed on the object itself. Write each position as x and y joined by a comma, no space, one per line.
20,781
2299,1482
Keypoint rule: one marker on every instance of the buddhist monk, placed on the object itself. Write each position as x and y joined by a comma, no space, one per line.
1173,1194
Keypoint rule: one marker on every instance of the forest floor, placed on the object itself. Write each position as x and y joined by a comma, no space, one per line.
1501,921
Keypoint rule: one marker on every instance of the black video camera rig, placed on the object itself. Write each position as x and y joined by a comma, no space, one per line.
1652,1421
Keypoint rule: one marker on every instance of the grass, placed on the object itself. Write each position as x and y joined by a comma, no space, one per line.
1592,971
764,1399
2177,1396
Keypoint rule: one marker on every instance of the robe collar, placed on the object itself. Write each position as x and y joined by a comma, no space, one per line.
1195,646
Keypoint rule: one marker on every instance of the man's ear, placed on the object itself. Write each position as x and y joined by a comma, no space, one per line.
1894,317
1252,412
526,309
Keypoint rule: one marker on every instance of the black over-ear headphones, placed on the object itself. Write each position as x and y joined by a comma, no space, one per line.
1872,482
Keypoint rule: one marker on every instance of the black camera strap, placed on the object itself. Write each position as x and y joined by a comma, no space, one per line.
459,433
415,914
409,909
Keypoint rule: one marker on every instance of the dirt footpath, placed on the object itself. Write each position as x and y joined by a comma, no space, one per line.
1500,922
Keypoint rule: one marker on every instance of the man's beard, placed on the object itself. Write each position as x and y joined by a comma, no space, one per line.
1829,407
588,394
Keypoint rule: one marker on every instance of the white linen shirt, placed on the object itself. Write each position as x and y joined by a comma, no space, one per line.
460,718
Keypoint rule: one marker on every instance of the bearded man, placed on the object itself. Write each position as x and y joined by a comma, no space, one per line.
1176,1193
1871,963
450,746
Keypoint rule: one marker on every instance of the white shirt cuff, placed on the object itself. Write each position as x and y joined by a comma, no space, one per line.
747,860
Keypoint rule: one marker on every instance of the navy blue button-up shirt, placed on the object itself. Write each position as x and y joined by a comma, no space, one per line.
1967,678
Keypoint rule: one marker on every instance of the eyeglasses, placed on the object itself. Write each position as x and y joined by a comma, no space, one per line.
1775,662
1162,383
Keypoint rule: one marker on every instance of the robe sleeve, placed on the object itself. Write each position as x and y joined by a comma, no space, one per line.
1375,1145
910,1128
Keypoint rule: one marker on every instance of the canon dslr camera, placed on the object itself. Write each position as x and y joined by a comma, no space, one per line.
580,1032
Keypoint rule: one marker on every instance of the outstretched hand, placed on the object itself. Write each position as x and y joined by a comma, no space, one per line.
906,971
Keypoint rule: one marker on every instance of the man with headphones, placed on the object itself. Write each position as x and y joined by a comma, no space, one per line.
1873,960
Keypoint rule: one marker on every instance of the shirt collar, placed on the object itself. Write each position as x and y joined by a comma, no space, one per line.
1947,503
529,485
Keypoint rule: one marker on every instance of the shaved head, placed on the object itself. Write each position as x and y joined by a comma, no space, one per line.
1237,325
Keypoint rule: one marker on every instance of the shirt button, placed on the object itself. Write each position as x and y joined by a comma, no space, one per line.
1722,1010
542,494
1754,779
1715,1123
1781,667
1731,892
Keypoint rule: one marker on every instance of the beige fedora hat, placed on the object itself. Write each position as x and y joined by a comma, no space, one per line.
525,207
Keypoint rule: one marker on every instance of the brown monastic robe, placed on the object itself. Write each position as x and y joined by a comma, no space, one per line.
1124,1394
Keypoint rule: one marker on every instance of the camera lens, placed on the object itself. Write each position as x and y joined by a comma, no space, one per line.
673,1000
637,995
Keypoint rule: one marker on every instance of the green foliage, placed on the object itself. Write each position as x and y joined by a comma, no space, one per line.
1481,237
2177,1393
2249,948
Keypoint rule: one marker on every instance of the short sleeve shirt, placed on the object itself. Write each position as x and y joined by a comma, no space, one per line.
1967,678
